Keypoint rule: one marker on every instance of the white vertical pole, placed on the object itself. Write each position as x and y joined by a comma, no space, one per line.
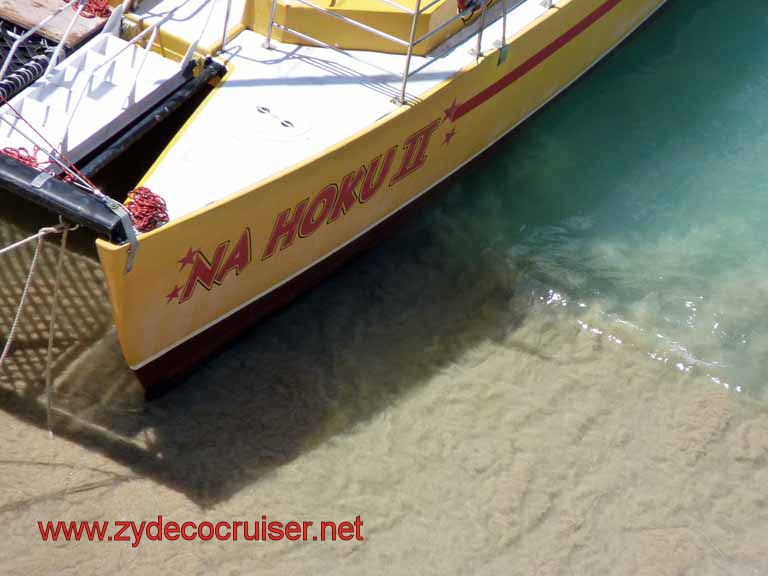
409,54
478,53
271,24
226,23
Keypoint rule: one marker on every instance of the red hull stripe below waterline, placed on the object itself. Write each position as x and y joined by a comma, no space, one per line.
533,61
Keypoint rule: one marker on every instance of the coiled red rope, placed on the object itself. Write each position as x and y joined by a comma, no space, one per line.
24,156
16,153
93,8
147,209
30,159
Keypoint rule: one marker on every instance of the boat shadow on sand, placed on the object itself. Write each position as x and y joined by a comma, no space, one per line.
385,326
340,355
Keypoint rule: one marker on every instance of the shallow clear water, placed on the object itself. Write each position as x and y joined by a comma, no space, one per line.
642,194
557,368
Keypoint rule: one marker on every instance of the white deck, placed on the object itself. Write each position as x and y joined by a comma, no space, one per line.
239,139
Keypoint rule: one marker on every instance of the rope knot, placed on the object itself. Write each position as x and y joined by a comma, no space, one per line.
147,209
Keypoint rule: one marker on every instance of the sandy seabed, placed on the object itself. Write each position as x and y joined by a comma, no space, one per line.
473,430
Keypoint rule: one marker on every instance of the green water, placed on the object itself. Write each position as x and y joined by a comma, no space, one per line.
638,199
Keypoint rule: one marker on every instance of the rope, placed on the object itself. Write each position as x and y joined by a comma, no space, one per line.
39,237
93,8
147,209
52,326
42,232
64,230
25,157
66,164
30,159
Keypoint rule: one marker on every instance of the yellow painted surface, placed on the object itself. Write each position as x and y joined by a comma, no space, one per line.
373,13
172,46
148,324
328,29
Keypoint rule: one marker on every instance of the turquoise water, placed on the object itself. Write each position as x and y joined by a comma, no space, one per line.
638,199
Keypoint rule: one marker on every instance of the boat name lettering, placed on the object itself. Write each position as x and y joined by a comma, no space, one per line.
357,187
210,272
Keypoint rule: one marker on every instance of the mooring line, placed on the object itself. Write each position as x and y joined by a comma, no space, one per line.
52,326
64,230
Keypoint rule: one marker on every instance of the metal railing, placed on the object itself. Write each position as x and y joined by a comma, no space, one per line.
110,27
88,86
409,44
67,32
194,44
56,153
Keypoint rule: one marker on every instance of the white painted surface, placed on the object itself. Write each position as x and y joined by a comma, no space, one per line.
326,96
92,87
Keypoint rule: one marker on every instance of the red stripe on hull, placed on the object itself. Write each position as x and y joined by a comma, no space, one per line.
534,61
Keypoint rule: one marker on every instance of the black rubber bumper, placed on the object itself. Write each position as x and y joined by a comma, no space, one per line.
70,202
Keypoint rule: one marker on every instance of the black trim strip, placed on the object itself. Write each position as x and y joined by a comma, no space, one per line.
73,204
133,134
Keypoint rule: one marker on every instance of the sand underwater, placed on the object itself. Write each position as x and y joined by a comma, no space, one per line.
557,368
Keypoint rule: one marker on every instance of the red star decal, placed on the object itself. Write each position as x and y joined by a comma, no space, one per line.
170,297
450,111
188,259
448,136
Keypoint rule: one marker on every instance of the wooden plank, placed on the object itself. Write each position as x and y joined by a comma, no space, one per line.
28,13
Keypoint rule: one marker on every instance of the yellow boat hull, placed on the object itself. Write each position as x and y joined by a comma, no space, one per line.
198,281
